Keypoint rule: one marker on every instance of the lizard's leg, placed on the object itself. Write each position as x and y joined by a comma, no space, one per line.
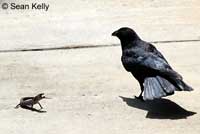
40,105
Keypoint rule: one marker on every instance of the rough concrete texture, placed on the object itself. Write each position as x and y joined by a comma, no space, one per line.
85,86
91,92
91,22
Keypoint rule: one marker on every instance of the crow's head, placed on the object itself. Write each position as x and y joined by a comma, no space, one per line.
125,34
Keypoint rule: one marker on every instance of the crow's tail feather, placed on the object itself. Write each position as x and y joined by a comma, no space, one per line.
157,87
182,86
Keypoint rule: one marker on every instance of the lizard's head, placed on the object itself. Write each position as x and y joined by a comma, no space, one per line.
40,96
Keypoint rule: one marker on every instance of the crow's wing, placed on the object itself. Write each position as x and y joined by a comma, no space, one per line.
142,59
152,48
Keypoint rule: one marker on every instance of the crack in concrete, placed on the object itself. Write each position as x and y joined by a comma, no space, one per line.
88,46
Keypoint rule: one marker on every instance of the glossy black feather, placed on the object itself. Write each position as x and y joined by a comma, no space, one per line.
148,66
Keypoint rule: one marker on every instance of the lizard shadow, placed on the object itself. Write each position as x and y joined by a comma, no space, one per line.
159,108
33,109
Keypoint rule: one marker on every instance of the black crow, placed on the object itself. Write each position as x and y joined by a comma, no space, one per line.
154,74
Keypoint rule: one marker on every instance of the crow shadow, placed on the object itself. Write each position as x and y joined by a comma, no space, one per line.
159,108
32,109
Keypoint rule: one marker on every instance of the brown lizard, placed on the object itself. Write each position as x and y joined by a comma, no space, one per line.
30,101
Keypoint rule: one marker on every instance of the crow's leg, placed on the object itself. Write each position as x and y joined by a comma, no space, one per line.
140,97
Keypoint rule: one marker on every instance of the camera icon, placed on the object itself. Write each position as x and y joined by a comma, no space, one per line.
4,6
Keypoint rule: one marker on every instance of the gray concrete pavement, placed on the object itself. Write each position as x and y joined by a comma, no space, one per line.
85,85
89,22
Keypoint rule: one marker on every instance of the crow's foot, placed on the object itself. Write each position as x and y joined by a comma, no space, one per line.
139,98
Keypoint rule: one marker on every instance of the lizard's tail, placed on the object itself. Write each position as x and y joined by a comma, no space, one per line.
17,106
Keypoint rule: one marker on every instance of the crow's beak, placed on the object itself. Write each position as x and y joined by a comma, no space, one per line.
115,33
